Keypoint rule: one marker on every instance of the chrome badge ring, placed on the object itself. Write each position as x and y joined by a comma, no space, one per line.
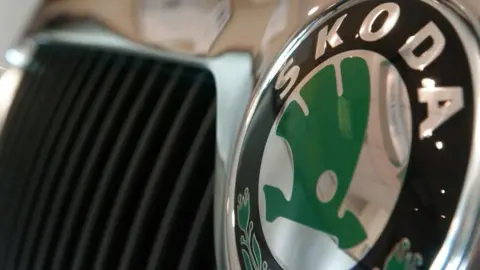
359,147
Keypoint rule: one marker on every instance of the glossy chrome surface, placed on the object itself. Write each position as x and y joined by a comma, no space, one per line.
460,249
253,42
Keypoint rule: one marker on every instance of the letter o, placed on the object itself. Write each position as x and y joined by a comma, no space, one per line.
393,11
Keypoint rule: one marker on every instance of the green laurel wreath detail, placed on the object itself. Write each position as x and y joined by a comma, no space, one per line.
251,253
402,258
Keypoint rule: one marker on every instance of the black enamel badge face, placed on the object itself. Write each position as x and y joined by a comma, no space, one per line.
357,151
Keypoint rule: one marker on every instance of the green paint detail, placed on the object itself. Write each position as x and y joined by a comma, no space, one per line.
250,248
401,258
344,124
330,137
246,260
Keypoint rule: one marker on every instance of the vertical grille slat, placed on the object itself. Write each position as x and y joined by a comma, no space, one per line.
46,177
201,230
29,197
15,128
75,162
41,111
146,217
180,197
143,158
35,126
115,119
172,132
49,182
56,115
81,198
129,133
120,149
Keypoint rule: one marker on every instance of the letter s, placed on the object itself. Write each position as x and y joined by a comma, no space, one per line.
287,74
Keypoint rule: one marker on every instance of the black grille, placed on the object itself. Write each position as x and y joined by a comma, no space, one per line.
106,162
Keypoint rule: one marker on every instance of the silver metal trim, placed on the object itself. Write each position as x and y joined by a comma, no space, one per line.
459,250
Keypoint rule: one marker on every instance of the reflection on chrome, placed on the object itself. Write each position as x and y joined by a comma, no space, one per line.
428,83
439,145
313,10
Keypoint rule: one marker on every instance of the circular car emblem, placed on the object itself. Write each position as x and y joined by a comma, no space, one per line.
356,151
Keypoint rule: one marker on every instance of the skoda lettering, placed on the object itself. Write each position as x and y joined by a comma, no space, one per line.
433,96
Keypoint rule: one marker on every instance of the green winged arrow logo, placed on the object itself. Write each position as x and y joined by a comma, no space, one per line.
328,138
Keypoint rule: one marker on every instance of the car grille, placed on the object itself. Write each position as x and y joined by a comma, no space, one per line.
106,162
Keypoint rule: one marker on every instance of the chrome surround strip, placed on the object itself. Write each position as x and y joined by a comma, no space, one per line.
460,249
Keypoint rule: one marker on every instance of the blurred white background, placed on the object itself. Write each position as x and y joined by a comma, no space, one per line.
14,18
